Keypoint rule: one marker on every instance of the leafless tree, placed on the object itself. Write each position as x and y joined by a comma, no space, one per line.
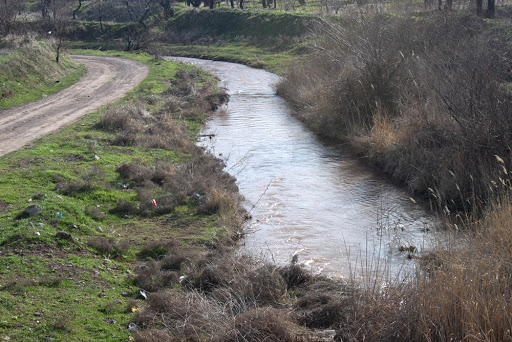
167,7
75,11
60,20
140,10
9,10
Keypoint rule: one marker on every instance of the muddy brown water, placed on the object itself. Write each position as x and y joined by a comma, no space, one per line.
305,196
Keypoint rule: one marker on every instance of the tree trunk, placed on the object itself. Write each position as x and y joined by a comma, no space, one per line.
75,11
490,8
232,3
168,9
45,4
479,10
449,5
100,15
264,3
212,3
241,4
57,59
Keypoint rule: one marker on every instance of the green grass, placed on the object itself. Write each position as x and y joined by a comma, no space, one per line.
30,73
241,52
53,288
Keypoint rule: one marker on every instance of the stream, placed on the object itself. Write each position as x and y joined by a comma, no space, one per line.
307,197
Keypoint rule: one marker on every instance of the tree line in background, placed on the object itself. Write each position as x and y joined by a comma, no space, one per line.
140,10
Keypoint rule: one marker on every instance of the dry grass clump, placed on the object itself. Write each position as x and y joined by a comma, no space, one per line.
241,282
257,325
224,298
151,277
425,100
294,275
160,122
163,262
184,316
108,246
201,182
155,250
321,310
88,180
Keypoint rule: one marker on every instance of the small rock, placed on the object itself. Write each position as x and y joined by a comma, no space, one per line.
38,234
33,210
6,338
96,157
37,314
64,236
39,224
29,200
99,229
124,294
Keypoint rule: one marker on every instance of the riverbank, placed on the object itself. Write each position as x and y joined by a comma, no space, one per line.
432,110
429,109
124,185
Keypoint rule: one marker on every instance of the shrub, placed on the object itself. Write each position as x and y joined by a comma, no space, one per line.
257,325
422,99
317,310
155,250
108,246
151,277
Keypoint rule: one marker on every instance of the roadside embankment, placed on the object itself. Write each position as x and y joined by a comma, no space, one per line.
29,72
22,124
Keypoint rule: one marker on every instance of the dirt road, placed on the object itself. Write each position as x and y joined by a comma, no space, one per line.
107,79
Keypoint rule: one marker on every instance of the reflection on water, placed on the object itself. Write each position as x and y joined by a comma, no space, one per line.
306,197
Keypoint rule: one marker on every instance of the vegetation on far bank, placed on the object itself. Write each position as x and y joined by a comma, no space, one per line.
424,98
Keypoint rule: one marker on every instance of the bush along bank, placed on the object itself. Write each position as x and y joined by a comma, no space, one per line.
123,185
424,99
